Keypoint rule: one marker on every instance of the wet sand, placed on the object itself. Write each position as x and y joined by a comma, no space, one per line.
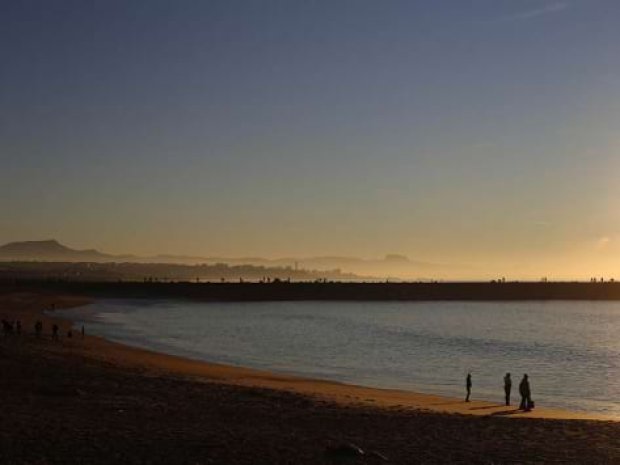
93,401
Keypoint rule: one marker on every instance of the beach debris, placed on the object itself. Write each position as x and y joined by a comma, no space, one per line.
345,451
373,454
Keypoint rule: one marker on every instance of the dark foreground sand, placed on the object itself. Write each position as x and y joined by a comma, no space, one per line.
89,401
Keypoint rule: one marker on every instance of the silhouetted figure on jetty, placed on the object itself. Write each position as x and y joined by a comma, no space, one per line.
526,394
468,386
507,387
55,332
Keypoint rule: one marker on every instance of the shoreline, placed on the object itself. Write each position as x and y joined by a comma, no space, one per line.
93,401
160,363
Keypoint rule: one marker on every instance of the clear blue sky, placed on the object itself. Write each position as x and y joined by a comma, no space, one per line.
483,131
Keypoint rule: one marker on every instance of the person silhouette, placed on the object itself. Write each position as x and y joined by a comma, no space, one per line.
507,387
468,386
526,394
38,327
55,332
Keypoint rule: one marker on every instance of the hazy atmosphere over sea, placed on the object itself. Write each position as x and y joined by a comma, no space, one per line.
479,135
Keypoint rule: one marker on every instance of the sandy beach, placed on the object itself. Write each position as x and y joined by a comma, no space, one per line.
93,401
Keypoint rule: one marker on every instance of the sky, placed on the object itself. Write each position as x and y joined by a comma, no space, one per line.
481,133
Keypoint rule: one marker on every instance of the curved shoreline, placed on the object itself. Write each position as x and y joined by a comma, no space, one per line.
156,363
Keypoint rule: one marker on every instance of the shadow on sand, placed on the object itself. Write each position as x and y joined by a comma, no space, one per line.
439,404
486,407
507,412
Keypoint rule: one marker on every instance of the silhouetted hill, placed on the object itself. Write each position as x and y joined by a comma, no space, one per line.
392,266
49,251
51,260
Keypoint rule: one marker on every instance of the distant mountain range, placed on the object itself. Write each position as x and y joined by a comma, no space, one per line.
391,266
50,251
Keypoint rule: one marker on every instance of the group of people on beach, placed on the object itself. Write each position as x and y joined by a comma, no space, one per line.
525,392
10,327
15,327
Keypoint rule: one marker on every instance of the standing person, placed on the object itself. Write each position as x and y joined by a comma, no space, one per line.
507,387
83,332
468,386
526,394
55,332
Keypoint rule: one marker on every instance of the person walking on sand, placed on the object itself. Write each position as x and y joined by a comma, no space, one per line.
526,394
468,386
507,387
38,327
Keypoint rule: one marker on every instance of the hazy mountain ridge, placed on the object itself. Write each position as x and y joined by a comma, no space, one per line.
393,266
49,250
51,259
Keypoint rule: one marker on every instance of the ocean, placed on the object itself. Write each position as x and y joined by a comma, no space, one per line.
570,349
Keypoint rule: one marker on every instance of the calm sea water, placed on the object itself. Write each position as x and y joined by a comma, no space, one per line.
571,350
